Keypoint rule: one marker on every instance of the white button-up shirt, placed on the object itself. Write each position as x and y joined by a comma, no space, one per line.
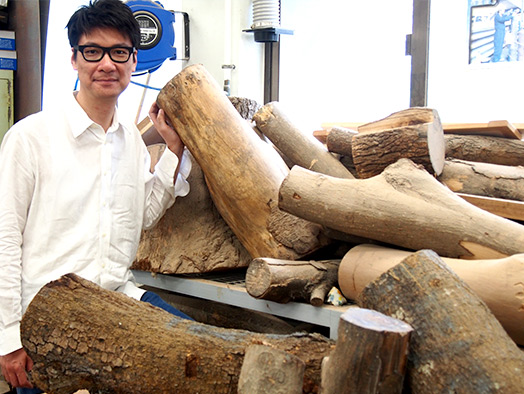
74,198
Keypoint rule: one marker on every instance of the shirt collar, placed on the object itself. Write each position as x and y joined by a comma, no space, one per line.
80,122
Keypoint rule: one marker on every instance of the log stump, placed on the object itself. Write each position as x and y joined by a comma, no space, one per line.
370,355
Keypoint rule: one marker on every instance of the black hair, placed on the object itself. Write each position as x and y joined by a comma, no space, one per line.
103,14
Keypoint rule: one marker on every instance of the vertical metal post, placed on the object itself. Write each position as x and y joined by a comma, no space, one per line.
419,49
271,70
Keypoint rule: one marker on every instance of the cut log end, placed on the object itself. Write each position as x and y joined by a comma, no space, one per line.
259,277
375,321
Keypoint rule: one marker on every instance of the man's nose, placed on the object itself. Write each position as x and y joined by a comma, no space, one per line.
106,62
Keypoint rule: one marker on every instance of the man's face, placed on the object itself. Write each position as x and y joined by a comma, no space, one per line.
104,79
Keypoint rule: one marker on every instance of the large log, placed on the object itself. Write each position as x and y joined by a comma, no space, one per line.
243,173
457,344
406,117
283,281
191,237
404,206
370,355
486,149
301,148
81,336
497,282
423,143
484,179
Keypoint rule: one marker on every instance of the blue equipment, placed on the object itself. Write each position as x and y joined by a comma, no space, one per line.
157,34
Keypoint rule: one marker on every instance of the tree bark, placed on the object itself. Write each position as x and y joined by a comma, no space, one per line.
81,336
497,282
301,148
406,117
422,143
266,370
486,149
191,237
283,281
457,344
243,173
370,355
404,206
484,179
246,107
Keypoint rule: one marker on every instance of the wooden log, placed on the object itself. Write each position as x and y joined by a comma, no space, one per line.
423,143
497,282
494,150
370,355
243,173
283,280
301,148
81,336
191,237
506,208
266,370
457,344
404,206
484,179
339,140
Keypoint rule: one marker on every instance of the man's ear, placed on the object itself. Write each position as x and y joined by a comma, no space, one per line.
135,60
73,59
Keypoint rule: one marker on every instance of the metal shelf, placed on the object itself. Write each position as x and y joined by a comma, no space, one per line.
230,290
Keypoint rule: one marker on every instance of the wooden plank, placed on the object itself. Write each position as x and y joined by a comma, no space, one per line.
496,128
509,209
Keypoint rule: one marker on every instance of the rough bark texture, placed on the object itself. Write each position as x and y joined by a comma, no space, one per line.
457,344
266,370
404,206
243,173
484,179
301,148
82,336
373,151
284,281
246,107
191,237
497,282
495,150
370,355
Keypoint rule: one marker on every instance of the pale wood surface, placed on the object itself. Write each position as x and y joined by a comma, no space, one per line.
505,208
496,128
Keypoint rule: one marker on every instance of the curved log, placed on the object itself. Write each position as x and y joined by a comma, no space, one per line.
403,206
81,336
457,344
499,282
243,173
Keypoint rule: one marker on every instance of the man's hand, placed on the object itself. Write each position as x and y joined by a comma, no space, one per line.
170,136
14,366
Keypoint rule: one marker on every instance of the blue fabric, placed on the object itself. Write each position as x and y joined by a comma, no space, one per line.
28,391
154,299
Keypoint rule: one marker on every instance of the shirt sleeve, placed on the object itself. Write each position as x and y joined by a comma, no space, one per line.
16,188
161,188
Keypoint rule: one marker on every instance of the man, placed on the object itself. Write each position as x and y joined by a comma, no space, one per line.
75,186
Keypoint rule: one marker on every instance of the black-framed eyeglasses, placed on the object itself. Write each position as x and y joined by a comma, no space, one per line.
95,53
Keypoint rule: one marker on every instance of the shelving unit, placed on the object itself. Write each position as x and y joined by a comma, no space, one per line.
229,288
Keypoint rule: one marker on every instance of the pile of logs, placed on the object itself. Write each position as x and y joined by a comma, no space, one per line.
382,212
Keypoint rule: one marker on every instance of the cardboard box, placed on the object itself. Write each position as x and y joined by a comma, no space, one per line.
7,40
7,60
